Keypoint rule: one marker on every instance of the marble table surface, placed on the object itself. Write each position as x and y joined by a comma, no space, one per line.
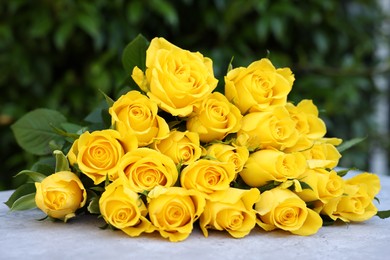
22,236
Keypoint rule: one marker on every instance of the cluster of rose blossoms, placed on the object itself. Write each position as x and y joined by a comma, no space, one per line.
180,152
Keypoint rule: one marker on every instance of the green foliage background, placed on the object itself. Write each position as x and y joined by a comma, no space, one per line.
59,54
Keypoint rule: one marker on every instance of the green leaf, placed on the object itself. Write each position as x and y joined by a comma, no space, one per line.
109,100
34,131
383,214
134,54
270,185
34,176
350,143
62,163
342,173
304,185
25,202
93,206
21,191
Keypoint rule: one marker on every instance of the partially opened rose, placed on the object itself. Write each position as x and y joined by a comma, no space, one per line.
322,155
270,164
356,204
230,210
181,147
283,209
259,87
175,79
214,118
124,209
174,210
208,176
97,154
229,153
59,195
324,185
136,114
309,126
145,168
273,128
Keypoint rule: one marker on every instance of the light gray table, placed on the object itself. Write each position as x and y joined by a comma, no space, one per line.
23,237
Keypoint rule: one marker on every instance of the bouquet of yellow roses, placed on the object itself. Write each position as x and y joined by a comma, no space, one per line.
173,151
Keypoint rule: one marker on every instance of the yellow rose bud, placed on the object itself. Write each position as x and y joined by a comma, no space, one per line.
97,154
145,168
181,147
322,155
324,185
174,210
230,210
214,118
283,209
176,79
208,176
356,204
59,195
135,113
238,155
273,128
259,87
124,209
267,165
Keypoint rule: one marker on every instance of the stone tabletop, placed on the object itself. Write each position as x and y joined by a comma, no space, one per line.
22,236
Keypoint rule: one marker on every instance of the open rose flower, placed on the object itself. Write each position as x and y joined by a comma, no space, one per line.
182,147
175,79
229,153
60,194
97,154
259,87
123,208
356,204
230,210
273,128
208,176
145,168
214,118
283,209
174,210
136,114
267,165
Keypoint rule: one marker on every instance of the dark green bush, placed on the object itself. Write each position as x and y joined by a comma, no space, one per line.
59,54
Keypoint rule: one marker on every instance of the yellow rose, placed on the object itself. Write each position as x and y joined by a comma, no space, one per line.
357,202
273,128
181,147
324,185
214,118
283,209
259,87
174,210
124,209
145,168
230,210
59,195
267,165
310,127
208,176
175,79
238,155
136,114
97,154
322,155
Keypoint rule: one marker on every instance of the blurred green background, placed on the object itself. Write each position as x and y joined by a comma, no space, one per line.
59,54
